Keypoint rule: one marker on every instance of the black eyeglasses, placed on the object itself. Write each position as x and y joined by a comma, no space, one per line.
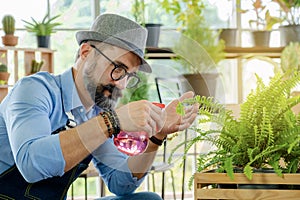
119,72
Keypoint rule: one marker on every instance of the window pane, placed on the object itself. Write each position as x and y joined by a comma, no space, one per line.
65,45
18,11
74,13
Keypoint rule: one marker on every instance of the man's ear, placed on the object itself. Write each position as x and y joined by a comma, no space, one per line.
85,49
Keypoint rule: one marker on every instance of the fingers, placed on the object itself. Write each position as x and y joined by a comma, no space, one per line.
187,95
157,116
189,117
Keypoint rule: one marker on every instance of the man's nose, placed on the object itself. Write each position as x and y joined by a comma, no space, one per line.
121,84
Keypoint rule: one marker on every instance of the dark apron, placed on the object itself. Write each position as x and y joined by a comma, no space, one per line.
14,186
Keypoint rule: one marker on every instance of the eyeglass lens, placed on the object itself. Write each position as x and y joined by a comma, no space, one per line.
119,73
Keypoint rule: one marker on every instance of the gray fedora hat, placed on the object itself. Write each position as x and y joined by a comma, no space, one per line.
118,31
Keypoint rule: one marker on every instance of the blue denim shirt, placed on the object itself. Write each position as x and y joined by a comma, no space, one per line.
34,108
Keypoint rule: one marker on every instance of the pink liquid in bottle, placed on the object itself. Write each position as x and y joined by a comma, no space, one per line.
133,143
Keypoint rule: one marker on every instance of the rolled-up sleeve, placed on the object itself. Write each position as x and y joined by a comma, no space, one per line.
36,152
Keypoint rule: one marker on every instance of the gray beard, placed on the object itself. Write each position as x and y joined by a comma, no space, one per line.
97,92
105,102
102,101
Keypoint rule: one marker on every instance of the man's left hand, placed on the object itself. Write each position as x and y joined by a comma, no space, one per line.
175,122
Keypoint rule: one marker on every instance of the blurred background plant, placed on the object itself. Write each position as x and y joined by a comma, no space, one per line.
138,93
291,10
193,25
263,19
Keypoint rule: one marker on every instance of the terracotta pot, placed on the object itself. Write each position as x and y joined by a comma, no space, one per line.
10,40
4,76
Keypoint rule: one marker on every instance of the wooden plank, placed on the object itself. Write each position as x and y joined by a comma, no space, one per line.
235,52
16,66
203,186
258,178
48,59
246,194
3,56
3,92
26,49
230,52
248,50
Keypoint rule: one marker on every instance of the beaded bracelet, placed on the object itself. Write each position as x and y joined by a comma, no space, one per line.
113,117
112,122
107,123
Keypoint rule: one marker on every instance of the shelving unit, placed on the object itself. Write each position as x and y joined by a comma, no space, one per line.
13,57
238,53
230,52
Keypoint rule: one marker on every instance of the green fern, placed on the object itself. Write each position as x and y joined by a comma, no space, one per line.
265,135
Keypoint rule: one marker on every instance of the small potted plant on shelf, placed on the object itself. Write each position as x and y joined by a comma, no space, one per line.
4,74
265,136
290,29
138,11
42,29
262,24
8,25
35,66
198,49
229,34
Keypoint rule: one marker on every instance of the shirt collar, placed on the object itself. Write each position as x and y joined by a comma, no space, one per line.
70,95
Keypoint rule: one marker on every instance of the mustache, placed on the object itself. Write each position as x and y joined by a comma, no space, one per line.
109,88
112,89
107,101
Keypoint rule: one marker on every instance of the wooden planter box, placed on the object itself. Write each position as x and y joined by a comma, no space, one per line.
203,186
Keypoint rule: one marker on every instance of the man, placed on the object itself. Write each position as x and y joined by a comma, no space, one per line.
39,159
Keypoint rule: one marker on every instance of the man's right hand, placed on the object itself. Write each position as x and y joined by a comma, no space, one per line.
140,116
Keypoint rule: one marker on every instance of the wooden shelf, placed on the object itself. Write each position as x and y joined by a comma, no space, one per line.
159,53
29,54
230,52
14,56
235,52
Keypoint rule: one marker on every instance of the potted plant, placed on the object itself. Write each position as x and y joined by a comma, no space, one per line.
262,24
4,74
266,135
42,29
229,34
35,66
198,48
138,10
290,31
8,24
